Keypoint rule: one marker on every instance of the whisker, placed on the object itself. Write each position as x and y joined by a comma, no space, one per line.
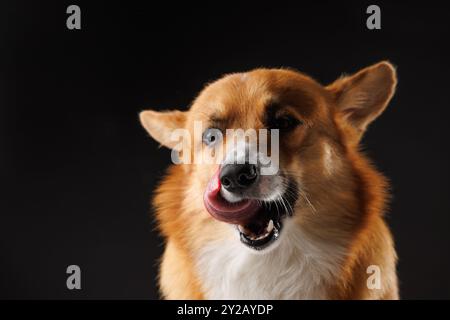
300,191
305,196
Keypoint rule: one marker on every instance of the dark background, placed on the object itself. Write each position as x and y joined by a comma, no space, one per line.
77,170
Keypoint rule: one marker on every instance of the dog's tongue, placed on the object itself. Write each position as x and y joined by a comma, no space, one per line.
236,213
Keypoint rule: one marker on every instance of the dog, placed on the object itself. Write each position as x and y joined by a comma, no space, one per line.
312,230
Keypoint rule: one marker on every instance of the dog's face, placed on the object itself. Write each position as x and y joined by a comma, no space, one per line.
317,128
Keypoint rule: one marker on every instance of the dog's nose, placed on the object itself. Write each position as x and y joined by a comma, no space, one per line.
236,177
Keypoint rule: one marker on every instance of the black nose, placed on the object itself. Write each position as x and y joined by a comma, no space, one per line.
238,177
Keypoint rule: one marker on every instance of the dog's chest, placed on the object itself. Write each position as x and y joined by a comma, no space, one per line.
229,271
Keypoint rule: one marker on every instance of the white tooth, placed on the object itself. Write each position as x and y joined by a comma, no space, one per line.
269,227
264,235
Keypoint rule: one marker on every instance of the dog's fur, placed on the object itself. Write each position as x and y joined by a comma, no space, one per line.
337,230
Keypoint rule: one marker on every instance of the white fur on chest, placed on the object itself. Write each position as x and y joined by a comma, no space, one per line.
296,268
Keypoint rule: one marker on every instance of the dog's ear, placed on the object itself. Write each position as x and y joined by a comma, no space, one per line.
160,125
362,97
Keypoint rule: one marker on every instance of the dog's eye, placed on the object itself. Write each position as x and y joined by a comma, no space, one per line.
211,136
285,123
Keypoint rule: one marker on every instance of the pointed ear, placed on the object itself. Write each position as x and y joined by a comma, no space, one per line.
160,125
362,97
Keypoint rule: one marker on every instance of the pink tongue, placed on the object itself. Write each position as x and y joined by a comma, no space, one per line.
236,213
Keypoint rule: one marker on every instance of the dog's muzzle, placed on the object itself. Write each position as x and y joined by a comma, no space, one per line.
234,196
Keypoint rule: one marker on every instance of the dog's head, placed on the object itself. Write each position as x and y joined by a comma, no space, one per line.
305,170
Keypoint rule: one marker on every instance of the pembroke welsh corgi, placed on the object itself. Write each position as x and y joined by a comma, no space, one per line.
310,227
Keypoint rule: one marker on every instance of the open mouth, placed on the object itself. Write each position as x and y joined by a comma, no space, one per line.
263,229
259,223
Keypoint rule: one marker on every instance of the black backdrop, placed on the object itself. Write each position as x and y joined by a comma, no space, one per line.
77,170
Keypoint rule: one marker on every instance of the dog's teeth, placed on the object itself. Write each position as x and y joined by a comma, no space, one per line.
262,236
267,231
269,227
